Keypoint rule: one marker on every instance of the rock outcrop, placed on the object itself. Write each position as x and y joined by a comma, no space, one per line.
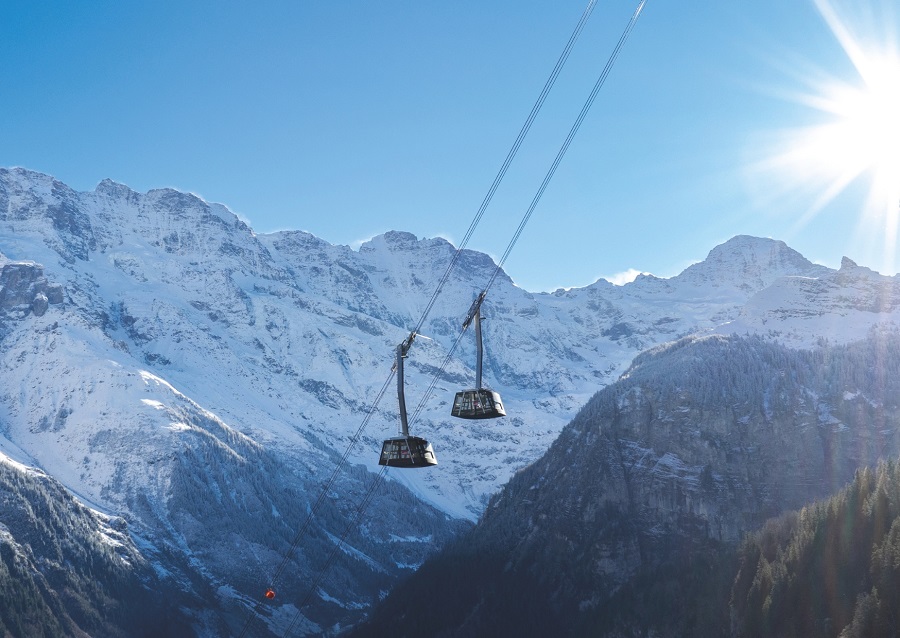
24,288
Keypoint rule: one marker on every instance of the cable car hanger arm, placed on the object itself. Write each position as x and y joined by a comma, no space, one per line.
473,309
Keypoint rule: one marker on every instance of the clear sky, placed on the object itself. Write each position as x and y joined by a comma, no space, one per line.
348,118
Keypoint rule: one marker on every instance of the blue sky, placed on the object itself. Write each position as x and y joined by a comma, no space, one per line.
350,118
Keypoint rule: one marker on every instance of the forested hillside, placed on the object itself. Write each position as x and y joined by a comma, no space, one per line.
68,571
831,569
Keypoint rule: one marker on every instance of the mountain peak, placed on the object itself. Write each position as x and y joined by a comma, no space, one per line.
756,249
112,188
34,181
392,240
398,240
750,264
397,236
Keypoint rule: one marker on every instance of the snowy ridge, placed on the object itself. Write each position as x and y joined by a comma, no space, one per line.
839,306
300,332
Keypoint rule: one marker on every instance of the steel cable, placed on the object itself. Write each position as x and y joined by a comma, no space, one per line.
601,80
535,109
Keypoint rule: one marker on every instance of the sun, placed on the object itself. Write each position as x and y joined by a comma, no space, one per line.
857,133
864,132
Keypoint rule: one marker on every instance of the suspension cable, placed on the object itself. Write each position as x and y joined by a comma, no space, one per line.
429,306
537,197
568,141
564,56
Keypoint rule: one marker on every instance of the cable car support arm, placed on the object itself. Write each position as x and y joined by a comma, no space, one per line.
402,350
474,315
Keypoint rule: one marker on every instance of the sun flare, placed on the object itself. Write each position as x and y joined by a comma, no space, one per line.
857,133
865,134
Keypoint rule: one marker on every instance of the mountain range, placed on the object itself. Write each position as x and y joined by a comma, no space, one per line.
176,371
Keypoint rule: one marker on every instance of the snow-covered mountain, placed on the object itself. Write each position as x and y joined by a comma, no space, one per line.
170,366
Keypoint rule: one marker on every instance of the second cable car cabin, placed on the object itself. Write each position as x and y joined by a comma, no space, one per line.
478,403
405,451
408,452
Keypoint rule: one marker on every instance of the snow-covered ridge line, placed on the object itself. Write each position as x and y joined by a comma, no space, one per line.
298,326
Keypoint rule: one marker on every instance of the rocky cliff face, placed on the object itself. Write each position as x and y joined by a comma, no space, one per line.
202,381
24,289
699,442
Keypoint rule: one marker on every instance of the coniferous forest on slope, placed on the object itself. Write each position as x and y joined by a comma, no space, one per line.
67,571
831,569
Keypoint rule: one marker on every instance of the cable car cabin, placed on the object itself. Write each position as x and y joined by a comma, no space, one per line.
407,451
477,404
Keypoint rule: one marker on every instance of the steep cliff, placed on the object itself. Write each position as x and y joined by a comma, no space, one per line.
623,526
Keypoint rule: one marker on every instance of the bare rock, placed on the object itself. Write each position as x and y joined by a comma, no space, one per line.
23,287
39,304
